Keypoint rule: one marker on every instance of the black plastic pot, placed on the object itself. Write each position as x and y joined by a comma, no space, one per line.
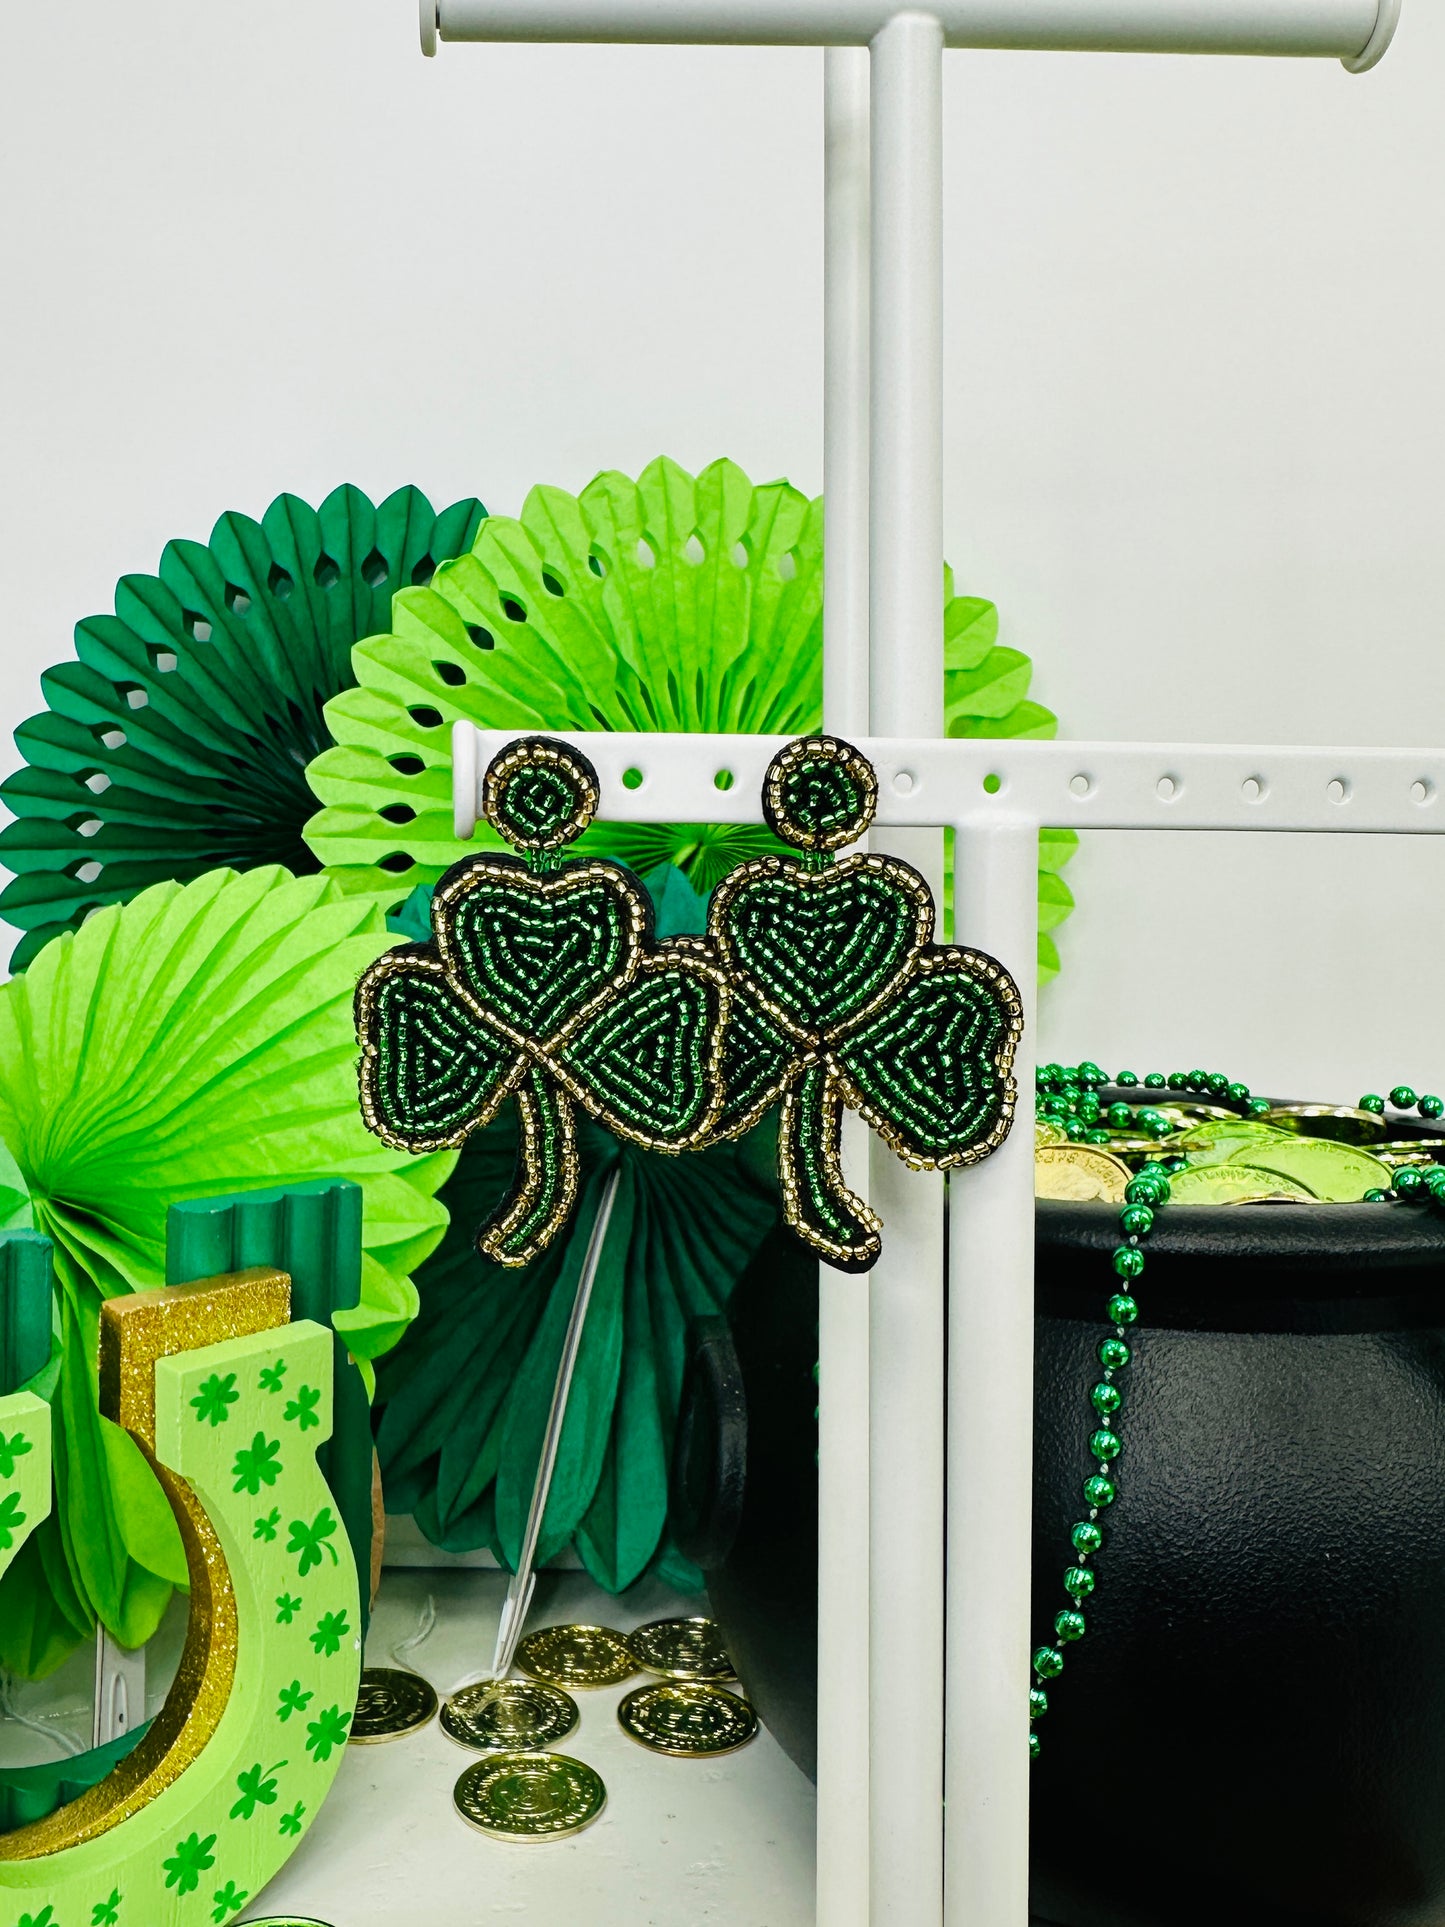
1253,1729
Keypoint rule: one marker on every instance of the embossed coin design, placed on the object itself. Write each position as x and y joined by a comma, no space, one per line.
681,1649
510,1714
687,1719
1236,1184
582,1656
1079,1174
529,1796
391,1704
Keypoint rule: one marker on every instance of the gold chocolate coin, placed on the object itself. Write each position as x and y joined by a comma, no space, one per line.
681,1649
1234,1184
1047,1132
390,1704
510,1714
1410,1150
529,1796
1336,1173
1339,1121
1079,1174
687,1719
584,1656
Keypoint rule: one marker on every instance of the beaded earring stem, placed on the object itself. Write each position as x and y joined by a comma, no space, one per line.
841,998
542,982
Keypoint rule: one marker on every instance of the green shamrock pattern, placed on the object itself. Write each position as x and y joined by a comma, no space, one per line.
208,1844
542,982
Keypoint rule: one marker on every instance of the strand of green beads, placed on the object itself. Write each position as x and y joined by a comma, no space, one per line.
1404,1099
1146,1195
1068,1096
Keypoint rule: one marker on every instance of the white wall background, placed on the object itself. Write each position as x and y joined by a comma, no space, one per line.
1196,385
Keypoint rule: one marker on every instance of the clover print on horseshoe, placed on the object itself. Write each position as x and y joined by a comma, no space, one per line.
841,998
542,982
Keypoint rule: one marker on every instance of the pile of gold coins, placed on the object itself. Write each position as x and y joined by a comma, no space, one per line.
1290,1154
521,1789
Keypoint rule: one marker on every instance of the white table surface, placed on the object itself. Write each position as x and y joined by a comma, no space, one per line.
681,1843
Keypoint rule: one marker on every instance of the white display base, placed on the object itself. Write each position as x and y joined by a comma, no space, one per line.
682,1843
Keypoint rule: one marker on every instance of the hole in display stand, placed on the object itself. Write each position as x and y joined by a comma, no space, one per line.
1422,791
1167,788
1254,789
1338,789
992,783
1081,784
903,782
724,780
632,779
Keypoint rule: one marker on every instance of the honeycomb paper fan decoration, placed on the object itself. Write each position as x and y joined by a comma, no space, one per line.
464,1397
669,602
178,741
194,1042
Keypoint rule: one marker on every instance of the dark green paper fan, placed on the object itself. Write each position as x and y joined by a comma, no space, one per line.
178,742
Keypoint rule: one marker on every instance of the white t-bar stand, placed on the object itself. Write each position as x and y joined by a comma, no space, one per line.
885,1859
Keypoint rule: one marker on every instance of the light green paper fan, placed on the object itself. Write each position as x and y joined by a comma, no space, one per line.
193,1042
671,602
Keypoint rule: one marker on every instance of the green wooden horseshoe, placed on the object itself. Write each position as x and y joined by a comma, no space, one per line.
229,1400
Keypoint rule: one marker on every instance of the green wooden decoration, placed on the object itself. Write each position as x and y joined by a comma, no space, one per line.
313,1233
542,983
240,1779
841,998
178,741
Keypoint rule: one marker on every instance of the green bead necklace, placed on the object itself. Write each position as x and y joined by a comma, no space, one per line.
1068,1097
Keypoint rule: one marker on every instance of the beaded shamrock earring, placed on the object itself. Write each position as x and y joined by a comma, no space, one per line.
840,997
541,982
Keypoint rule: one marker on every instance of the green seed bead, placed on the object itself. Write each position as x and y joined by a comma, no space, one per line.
1127,1081
1106,1398
1136,1221
1090,1109
1376,1196
1179,1080
1078,1581
1099,1491
1038,1702
1074,1130
1218,1084
1128,1261
1069,1625
1122,1309
1408,1182
1105,1445
1048,1662
1156,1081
1033,1746
1090,1076
1114,1354
1431,1106
1259,1107
1237,1093
1199,1082
1370,1102
1086,1537
1120,1116
1403,1098
1098,1136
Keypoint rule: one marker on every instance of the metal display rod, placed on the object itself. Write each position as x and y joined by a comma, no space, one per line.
1356,32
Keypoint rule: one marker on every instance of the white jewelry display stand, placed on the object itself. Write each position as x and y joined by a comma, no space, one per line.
933,1584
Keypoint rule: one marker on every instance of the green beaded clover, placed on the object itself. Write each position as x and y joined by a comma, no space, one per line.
841,998
542,982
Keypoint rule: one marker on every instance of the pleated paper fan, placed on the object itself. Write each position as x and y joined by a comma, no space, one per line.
464,1397
194,1042
669,602
178,741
